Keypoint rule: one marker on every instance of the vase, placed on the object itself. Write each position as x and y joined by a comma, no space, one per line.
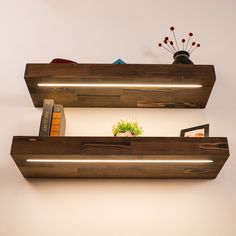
125,134
182,57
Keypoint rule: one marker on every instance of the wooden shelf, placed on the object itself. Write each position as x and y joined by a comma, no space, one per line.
131,76
119,157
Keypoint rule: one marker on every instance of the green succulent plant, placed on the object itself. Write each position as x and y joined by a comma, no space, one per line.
131,126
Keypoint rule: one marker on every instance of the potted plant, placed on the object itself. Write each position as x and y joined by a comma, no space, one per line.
127,128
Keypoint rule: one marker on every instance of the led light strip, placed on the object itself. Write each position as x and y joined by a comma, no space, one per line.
116,161
122,85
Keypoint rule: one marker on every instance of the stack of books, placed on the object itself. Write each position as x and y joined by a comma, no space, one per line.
53,120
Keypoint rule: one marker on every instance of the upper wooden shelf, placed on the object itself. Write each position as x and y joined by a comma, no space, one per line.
120,157
125,85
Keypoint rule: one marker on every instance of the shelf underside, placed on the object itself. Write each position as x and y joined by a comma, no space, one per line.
116,157
129,75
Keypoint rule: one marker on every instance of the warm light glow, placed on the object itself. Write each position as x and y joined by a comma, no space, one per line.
116,161
122,85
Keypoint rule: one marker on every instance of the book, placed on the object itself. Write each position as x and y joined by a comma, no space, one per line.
58,123
46,117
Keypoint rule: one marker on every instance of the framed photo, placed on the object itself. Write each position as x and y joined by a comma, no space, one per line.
196,132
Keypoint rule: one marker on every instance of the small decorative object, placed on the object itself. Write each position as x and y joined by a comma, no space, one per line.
127,128
61,60
119,61
180,55
196,132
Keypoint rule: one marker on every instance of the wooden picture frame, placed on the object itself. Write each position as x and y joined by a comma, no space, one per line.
200,131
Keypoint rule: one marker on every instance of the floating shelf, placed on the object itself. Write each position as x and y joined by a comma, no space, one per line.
119,157
125,85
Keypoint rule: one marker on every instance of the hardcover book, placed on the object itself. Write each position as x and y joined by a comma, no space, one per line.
58,123
46,117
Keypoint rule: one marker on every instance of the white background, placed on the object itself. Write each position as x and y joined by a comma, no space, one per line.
101,32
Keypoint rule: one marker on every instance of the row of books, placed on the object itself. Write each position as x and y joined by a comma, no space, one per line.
53,120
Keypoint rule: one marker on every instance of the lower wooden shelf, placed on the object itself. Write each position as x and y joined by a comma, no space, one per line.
120,157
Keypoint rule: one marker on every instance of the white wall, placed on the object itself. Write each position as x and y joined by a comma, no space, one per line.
102,31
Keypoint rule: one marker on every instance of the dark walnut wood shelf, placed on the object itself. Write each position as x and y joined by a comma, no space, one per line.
117,157
129,95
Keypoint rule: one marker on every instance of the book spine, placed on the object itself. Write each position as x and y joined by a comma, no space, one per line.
45,124
58,124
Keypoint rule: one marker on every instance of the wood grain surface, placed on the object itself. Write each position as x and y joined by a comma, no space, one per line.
120,148
124,73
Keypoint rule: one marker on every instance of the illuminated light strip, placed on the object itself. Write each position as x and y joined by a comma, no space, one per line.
116,161
122,85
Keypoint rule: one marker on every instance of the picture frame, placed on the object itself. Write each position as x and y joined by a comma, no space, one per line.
200,131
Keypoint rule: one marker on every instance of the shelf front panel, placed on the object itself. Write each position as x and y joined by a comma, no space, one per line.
120,157
130,96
